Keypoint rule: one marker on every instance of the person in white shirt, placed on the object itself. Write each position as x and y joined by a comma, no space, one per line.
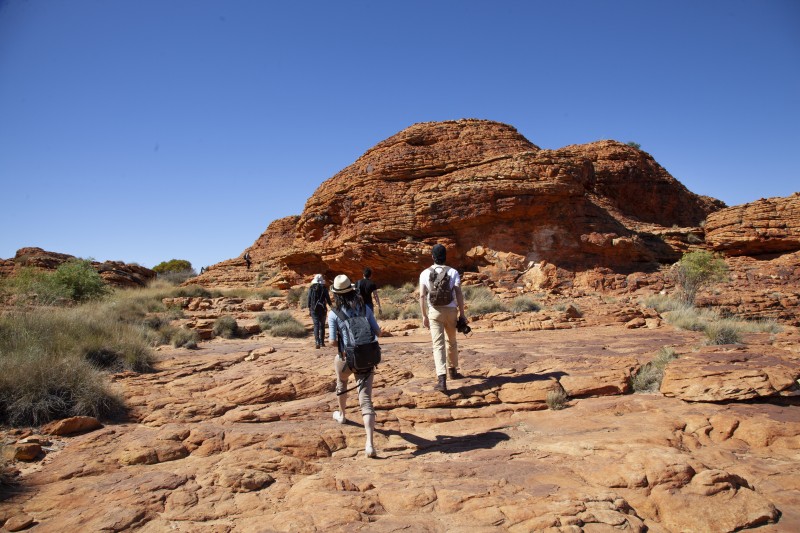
441,318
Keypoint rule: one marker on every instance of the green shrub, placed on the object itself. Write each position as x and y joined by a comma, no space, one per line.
523,304
648,377
723,331
557,399
634,144
173,265
80,280
696,270
390,311
688,318
225,327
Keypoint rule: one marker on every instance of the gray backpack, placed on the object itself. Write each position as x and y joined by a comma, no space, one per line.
441,293
357,342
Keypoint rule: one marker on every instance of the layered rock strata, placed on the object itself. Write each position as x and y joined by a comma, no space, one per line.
476,185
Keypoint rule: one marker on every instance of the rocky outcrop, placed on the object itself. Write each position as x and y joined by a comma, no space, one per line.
115,273
476,185
766,226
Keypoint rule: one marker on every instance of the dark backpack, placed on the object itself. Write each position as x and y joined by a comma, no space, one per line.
357,342
318,296
441,293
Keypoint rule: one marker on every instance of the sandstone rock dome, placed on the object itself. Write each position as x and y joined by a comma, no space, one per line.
493,197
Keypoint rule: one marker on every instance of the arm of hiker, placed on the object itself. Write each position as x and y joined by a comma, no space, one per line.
460,300
423,305
331,326
376,329
377,300
328,297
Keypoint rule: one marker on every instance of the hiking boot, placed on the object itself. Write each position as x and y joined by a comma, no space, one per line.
317,346
441,386
454,374
338,416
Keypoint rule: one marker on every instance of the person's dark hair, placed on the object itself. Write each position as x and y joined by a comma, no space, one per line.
367,272
439,254
351,300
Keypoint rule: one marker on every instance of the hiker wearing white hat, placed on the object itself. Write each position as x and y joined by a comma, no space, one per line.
318,302
349,307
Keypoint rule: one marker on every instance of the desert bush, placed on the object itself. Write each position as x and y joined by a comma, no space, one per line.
281,324
523,304
634,144
51,362
557,399
225,327
696,270
723,331
648,377
273,318
663,303
298,296
391,311
184,337
689,318
192,291
266,293
177,277
411,310
292,328
481,300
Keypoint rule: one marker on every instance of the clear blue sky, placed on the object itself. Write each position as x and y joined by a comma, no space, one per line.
145,130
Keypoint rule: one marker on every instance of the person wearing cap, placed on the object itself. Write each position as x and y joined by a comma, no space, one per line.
441,320
347,301
318,302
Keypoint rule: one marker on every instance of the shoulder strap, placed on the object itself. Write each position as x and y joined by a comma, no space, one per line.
341,315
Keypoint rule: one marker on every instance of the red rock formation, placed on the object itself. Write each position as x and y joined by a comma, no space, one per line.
476,184
115,273
766,226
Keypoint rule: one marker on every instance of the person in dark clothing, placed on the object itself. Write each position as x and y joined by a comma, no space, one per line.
247,259
367,289
318,302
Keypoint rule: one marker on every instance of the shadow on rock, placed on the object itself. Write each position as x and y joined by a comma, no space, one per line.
496,382
450,443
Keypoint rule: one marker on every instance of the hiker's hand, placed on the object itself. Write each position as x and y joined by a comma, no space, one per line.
426,323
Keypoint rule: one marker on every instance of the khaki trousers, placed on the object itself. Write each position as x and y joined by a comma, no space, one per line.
443,334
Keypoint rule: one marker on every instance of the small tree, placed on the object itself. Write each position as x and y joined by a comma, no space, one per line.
175,270
696,270
79,280
635,145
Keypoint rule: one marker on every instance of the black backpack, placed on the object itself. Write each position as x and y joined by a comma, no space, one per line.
441,292
357,342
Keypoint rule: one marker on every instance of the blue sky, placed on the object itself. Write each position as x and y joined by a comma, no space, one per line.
149,130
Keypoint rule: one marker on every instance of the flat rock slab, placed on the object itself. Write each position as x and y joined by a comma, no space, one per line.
217,442
720,374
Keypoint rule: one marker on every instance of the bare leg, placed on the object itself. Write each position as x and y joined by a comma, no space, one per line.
369,427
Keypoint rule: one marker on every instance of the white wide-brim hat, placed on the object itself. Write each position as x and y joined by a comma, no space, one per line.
342,285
